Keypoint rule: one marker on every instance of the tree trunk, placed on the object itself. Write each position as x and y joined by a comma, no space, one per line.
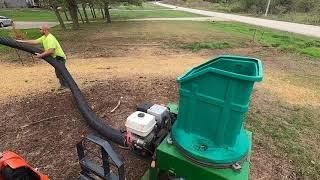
72,6
56,12
94,11
85,12
103,16
91,11
80,15
65,13
106,10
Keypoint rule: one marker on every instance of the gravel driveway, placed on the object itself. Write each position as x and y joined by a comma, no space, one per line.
30,25
180,19
304,29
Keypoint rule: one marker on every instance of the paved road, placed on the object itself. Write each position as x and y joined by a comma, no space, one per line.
308,30
29,25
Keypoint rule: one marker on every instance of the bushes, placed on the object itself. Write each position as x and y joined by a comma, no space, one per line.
277,6
259,6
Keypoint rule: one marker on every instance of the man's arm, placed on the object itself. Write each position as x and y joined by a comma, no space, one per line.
45,53
31,42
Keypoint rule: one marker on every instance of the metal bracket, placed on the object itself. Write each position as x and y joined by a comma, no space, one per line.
169,140
90,169
236,167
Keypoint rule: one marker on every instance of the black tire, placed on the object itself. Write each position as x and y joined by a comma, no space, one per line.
1,25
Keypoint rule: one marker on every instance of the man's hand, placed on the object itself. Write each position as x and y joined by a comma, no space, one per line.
31,42
46,53
38,55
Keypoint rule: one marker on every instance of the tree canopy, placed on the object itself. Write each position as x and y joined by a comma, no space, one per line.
72,8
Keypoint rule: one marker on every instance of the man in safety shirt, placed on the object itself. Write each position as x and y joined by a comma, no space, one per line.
52,48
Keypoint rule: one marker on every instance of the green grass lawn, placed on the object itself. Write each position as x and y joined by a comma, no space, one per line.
284,41
292,128
145,6
48,15
29,33
29,14
122,15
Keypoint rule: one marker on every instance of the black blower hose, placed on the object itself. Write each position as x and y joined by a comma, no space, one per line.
93,120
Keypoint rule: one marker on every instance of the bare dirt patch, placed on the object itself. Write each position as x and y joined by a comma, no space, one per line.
292,78
51,145
104,81
40,77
